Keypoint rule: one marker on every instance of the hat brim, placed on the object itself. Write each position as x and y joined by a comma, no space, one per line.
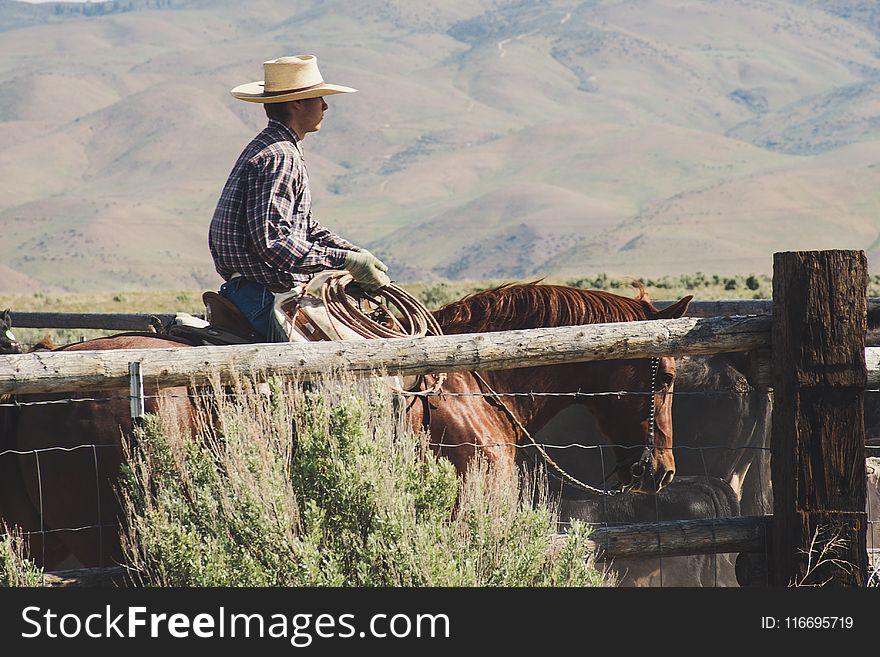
253,93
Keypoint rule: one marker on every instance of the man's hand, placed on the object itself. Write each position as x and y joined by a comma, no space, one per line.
367,269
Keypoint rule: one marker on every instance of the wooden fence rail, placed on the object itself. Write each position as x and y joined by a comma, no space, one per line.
101,370
67,371
746,534
105,321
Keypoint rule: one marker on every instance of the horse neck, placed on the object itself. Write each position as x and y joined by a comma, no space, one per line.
536,411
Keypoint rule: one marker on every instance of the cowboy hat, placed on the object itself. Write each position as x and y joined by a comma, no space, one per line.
289,78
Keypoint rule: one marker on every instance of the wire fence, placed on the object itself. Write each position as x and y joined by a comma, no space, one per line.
598,453
701,482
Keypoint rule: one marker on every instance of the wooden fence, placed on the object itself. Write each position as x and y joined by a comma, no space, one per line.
816,367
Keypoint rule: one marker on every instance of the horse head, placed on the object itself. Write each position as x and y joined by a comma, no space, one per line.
639,424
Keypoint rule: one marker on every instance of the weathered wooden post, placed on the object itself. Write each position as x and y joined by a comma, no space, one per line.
817,447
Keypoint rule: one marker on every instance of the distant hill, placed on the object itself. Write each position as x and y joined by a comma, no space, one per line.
490,139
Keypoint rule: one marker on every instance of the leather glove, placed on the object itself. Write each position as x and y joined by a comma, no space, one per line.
367,269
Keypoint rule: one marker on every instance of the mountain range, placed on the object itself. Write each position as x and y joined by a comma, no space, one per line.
489,138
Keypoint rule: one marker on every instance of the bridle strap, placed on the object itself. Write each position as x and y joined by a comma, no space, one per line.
643,464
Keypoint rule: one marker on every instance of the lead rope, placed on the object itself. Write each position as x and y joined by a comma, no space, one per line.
561,473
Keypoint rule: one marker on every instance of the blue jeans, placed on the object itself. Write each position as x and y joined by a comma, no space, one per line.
257,304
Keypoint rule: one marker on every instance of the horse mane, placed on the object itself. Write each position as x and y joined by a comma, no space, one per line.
534,305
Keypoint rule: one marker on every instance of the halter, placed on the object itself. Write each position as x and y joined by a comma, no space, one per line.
637,470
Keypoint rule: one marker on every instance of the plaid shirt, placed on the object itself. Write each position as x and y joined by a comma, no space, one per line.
263,227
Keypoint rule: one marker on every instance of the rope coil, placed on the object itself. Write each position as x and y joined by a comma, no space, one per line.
371,315
345,300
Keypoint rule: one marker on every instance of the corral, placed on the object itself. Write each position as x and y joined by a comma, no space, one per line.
816,370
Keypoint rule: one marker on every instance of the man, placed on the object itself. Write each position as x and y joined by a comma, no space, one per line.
263,238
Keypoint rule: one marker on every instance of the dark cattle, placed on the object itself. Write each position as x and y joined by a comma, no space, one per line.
686,498
724,424
8,342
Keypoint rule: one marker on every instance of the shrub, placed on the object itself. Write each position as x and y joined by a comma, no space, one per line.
361,501
15,569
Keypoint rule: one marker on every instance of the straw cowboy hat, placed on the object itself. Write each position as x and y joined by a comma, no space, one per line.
289,78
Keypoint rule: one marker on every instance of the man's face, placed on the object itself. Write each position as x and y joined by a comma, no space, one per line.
312,113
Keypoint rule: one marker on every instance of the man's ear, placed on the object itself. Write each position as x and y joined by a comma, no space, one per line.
676,310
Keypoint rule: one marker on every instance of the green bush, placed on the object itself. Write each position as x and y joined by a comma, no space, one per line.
15,569
361,502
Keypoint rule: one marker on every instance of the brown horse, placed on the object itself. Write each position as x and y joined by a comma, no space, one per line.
496,424
70,493
62,459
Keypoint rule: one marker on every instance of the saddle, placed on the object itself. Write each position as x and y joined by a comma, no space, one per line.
302,316
224,324
224,315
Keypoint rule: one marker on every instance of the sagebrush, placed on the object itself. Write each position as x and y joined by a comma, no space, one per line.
287,485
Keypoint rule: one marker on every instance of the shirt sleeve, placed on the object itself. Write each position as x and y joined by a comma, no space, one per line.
271,185
327,237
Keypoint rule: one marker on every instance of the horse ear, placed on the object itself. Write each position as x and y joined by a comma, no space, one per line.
676,310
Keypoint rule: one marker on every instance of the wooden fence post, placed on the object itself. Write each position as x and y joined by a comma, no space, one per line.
817,446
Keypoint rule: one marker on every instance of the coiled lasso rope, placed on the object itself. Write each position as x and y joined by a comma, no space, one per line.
370,315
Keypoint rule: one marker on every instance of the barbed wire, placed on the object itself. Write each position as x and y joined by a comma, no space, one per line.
575,394
552,446
63,529
599,447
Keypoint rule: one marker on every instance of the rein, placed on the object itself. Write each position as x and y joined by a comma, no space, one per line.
637,470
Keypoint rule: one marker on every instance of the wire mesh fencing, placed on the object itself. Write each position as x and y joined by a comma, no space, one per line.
45,494
721,447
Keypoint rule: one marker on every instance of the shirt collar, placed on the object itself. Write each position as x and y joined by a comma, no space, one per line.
290,134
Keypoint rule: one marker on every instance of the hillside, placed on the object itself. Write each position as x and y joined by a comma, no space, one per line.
491,139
